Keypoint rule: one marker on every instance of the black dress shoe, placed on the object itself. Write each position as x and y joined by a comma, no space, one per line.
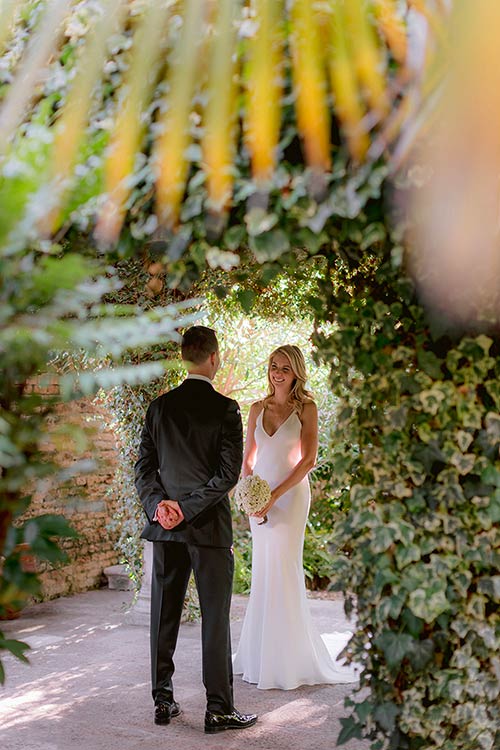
234,720
166,711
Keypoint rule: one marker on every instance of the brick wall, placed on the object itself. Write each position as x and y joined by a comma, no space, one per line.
85,500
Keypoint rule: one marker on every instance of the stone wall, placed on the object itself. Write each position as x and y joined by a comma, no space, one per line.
86,501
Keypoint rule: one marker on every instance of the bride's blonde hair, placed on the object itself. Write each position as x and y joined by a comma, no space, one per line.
299,395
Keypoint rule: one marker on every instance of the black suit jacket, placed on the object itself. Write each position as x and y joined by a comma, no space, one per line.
191,451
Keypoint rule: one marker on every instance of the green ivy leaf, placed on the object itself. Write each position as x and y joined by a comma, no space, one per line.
405,532
386,715
192,207
363,710
395,647
484,342
431,400
397,417
382,538
372,234
490,585
391,606
420,654
46,549
234,237
429,363
17,648
269,245
414,625
492,510
258,221
491,475
407,555
269,273
351,729
428,454
246,298
464,439
463,462
310,240
428,602
361,495
364,362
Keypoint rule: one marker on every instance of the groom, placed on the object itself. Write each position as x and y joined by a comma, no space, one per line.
189,458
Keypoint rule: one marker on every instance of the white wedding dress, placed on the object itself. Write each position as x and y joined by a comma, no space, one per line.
279,646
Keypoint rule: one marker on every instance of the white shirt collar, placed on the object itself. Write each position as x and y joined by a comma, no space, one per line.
193,376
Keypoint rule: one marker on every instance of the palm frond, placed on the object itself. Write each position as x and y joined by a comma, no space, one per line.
129,125
190,71
264,80
309,80
348,105
220,115
391,26
71,124
170,154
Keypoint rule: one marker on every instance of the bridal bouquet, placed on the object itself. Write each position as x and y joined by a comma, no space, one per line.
252,494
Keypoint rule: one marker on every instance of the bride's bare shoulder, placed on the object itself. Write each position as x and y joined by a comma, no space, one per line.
257,407
309,403
309,409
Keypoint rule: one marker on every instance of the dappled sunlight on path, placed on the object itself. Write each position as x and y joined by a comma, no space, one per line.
87,687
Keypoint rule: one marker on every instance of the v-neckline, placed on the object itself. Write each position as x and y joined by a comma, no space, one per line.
278,428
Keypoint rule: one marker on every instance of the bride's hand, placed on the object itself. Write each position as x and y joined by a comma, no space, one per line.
268,507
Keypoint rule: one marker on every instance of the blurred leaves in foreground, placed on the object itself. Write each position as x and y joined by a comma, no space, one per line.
173,84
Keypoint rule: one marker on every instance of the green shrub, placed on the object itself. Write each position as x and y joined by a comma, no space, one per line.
242,561
317,560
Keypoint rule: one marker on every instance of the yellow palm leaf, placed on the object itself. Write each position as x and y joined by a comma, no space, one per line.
348,106
263,76
170,153
309,80
220,114
125,142
391,25
71,124
367,55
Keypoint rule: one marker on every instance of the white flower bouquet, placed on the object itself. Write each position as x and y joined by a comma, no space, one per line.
252,494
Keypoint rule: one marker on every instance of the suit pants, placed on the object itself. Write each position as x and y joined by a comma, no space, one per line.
213,572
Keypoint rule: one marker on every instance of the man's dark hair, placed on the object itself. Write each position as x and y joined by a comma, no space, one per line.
198,343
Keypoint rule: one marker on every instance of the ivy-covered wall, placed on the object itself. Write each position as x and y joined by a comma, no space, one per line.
418,554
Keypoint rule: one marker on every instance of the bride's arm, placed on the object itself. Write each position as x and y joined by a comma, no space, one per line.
309,450
250,444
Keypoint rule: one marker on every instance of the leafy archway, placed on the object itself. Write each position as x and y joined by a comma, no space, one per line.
279,314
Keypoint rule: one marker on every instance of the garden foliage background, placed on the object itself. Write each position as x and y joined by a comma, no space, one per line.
417,431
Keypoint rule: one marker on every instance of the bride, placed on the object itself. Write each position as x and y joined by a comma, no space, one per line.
279,646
